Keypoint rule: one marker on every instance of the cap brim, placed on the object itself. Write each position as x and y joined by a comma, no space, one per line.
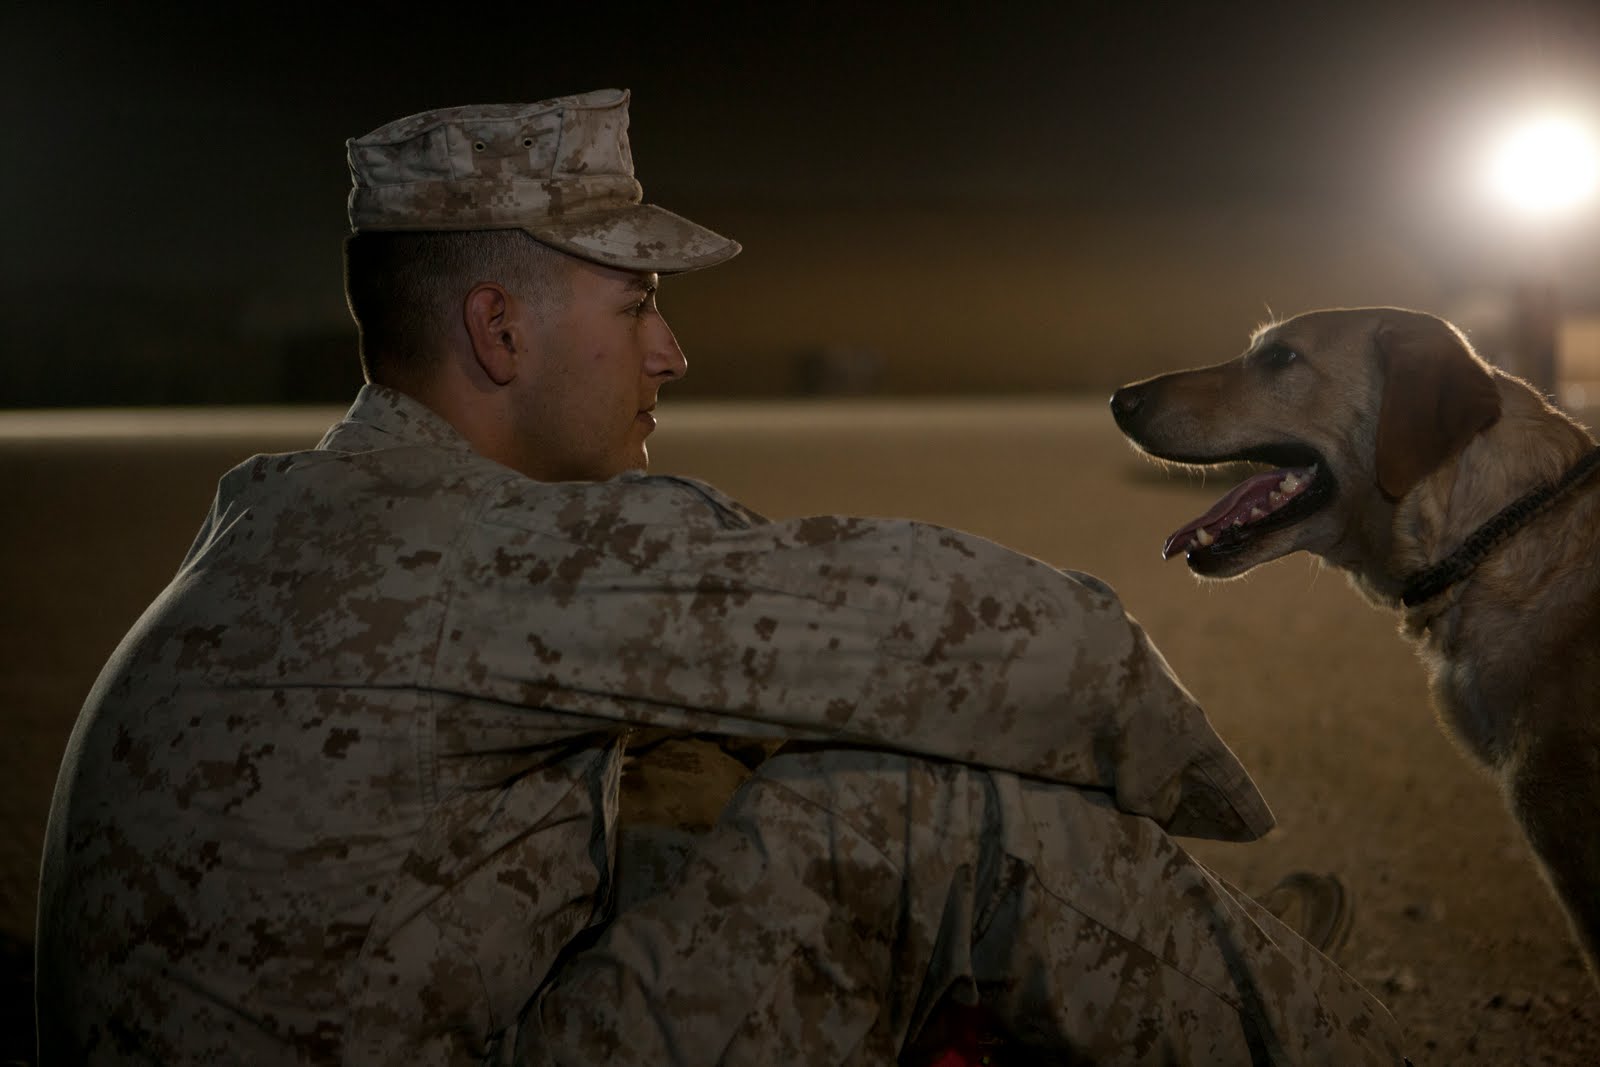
637,237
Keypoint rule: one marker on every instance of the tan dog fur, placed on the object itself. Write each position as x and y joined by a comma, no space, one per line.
1425,442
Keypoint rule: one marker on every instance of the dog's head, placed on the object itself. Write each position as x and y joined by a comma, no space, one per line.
1347,408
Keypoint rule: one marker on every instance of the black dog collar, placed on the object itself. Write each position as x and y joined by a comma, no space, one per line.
1431,581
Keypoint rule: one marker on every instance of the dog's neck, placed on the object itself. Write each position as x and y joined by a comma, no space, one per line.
1459,565
1538,580
1532,446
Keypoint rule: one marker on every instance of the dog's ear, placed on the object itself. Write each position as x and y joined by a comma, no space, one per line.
1436,396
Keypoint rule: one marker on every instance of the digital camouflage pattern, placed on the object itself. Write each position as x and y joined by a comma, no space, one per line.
561,169
846,894
348,790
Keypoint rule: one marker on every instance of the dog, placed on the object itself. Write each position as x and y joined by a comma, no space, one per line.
1446,490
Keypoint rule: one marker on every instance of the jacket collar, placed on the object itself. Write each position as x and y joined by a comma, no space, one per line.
387,418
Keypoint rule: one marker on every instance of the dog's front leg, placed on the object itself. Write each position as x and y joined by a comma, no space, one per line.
1554,790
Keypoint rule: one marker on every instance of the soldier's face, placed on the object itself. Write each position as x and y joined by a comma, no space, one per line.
587,407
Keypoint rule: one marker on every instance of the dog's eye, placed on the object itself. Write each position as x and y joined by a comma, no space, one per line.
1278,355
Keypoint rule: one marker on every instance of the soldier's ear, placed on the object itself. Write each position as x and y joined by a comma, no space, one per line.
1436,395
491,328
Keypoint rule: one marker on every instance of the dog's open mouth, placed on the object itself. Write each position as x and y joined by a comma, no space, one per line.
1297,485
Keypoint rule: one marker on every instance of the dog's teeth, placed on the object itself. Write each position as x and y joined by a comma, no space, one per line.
1203,538
1257,513
1275,496
1289,484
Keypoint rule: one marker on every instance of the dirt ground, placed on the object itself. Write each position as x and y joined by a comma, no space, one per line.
1313,688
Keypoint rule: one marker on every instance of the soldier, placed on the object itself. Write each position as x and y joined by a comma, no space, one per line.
349,790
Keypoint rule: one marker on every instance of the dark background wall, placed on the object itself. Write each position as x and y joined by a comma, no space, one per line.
933,198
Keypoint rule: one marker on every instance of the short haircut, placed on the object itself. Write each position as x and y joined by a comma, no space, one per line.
405,290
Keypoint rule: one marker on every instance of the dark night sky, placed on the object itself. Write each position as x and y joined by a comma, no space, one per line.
195,159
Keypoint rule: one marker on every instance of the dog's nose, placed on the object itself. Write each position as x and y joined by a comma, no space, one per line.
1125,403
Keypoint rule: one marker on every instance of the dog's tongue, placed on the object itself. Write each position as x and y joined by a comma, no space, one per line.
1253,492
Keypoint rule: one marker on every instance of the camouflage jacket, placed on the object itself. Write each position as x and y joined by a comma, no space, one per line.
349,785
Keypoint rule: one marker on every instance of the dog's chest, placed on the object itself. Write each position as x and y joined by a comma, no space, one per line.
1497,701
1480,713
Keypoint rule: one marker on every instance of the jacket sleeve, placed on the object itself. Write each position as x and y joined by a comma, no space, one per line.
666,610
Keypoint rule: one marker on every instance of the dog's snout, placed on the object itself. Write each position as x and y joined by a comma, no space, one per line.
1125,403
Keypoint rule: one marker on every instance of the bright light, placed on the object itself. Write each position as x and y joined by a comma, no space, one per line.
1546,167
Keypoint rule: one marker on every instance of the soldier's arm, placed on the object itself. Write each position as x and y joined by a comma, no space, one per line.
887,633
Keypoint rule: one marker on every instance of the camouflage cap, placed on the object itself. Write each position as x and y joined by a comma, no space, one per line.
560,169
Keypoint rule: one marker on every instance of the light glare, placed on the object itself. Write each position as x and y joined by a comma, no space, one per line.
1546,167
